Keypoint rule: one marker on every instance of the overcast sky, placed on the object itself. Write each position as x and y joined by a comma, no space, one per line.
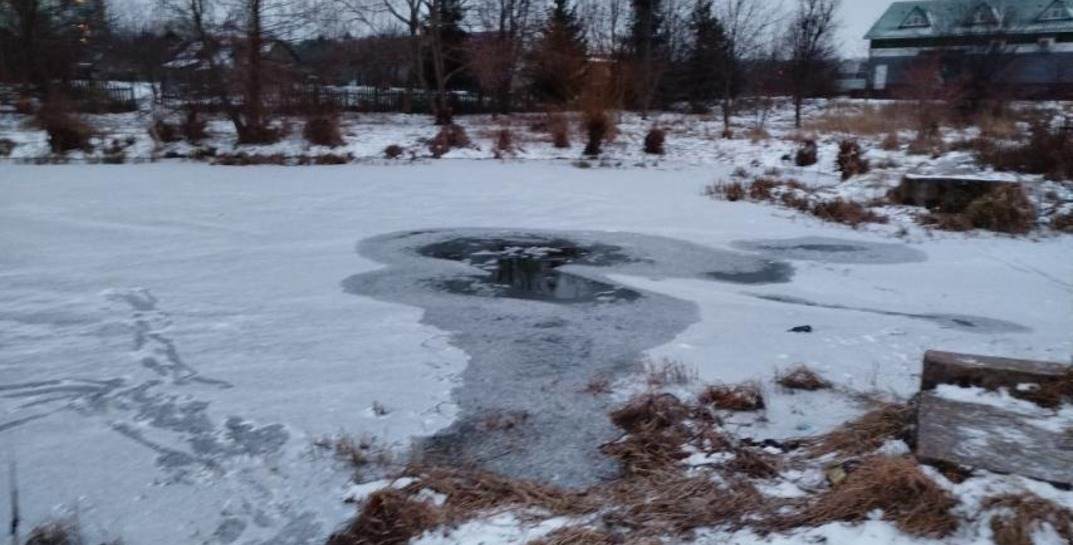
857,18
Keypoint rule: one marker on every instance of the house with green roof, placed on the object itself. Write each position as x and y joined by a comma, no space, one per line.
1027,44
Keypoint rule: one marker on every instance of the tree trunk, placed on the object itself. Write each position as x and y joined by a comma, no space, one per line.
797,110
218,83
254,107
442,110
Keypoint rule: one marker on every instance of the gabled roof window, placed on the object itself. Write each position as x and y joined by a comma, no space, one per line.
918,18
983,15
1058,11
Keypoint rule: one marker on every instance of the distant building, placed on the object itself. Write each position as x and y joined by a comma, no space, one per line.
852,78
189,71
1028,44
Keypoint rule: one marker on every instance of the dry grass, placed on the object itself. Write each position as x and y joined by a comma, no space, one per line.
504,143
262,134
849,213
650,412
66,130
866,120
323,130
891,142
790,200
807,153
1050,395
471,492
1048,151
1005,209
163,132
355,452
598,385
1022,515
757,135
669,373
649,451
655,141
927,143
737,397
851,160
754,463
670,502
733,191
389,517
324,159
598,127
55,533
242,159
395,516
502,420
655,434
194,127
575,536
25,106
1000,126
801,377
450,137
559,127
1063,222
656,497
907,497
946,221
762,189
867,433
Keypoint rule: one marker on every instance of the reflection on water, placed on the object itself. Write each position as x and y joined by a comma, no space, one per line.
527,267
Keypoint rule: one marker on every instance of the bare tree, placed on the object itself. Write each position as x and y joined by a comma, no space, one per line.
605,22
379,16
811,48
232,53
432,27
444,18
497,58
197,19
746,24
981,52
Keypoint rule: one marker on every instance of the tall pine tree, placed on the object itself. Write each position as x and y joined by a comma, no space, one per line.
559,56
647,49
699,76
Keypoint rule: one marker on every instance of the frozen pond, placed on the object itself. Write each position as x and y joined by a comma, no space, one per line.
176,339
539,318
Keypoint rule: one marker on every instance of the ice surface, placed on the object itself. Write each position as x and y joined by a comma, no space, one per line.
174,337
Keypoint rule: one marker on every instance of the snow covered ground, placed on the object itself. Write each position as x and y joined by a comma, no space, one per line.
174,337
764,143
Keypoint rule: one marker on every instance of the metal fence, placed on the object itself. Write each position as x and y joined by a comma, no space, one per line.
381,100
306,98
102,96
